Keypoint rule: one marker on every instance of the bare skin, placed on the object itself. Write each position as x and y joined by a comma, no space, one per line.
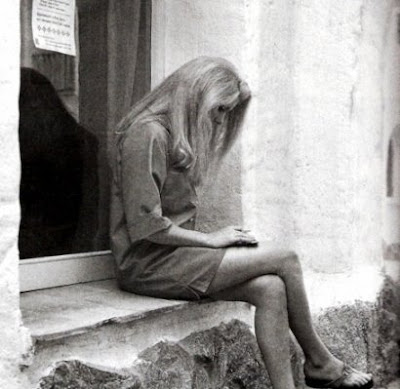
244,266
267,293
272,281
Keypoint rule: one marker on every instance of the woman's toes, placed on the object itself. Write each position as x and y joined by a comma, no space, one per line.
356,378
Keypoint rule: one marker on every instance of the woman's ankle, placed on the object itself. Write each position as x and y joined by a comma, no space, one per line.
323,367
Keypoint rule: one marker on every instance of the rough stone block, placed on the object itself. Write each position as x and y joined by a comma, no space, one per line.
227,357
223,357
366,335
384,335
76,375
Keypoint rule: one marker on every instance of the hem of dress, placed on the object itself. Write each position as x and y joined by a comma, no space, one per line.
196,290
203,290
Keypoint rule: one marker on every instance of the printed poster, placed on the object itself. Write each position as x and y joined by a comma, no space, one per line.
53,25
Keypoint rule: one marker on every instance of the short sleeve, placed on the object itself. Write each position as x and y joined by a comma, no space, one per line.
143,173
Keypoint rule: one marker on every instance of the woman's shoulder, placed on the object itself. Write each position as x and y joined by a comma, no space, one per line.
149,130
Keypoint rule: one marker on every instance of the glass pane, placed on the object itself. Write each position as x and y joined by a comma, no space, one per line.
66,116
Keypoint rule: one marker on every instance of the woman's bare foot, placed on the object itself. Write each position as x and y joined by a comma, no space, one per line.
335,374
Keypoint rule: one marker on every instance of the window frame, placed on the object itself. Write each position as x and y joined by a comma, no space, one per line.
68,269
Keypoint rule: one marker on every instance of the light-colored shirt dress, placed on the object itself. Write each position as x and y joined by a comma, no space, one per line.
148,195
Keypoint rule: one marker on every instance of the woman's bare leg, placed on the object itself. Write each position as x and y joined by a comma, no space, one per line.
245,263
268,295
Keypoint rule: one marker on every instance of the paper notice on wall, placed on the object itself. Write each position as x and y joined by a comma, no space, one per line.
53,25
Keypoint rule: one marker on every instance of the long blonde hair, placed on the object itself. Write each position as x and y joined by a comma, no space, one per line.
183,103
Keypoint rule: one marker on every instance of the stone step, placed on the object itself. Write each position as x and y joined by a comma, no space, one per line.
98,324
94,331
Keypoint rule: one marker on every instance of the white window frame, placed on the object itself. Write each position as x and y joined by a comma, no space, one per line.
61,270
69,269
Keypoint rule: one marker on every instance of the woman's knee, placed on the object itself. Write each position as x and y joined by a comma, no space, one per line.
283,261
267,289
290,265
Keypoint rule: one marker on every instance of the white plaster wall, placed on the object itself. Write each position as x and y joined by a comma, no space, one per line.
268,67
336,147
391,122
313,170
11,334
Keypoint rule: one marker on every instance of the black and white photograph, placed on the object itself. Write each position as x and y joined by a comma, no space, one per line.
200,194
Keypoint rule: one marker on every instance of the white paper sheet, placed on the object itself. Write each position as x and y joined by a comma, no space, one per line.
53,25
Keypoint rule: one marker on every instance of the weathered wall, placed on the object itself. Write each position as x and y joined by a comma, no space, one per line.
336,150
11,335
391,125
268,66
315,172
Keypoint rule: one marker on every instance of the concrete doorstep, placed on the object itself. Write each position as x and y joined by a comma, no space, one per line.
98,324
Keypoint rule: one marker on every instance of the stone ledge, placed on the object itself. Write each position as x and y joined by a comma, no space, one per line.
98,324
110,329
70,310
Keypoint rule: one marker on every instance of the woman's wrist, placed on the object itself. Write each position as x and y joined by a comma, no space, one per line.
206,240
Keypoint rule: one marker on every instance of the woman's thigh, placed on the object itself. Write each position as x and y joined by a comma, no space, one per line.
241,264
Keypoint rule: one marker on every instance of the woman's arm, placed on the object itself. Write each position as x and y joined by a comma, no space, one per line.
143,172
228,236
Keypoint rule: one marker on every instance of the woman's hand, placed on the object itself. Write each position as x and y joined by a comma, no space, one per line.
231,236
228,236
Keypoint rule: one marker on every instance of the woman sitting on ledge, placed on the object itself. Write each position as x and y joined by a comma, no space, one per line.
164,149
